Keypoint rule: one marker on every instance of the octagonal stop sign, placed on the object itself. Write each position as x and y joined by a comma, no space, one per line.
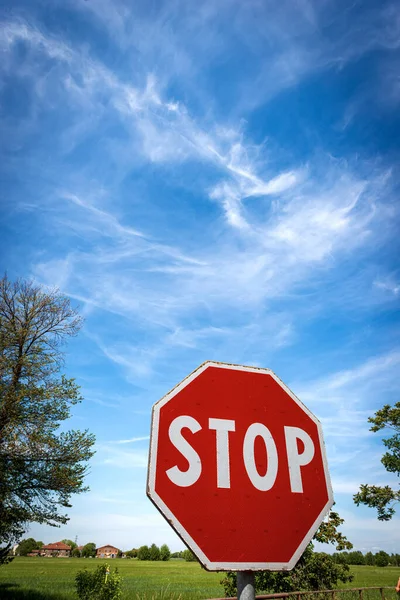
238,468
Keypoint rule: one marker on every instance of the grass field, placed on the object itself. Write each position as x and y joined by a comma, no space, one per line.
53,579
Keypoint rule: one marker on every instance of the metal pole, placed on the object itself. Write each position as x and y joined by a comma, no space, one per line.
245,585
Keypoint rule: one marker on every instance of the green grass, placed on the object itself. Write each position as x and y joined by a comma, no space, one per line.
53,579
373,576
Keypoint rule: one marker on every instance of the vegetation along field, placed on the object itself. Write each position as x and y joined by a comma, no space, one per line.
53,579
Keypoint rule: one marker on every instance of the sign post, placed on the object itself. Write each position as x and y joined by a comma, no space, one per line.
245,585
238,468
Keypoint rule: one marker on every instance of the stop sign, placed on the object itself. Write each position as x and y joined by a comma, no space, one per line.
238,468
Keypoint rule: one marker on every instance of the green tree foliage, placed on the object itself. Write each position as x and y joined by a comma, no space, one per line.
340,557
76,553
154,552
356,558
395,560
381,559
70,543
350,558
369,559
89,550
188,556
100,584
40,467
165,553
314,570
383,498
327,533
143,553
26,546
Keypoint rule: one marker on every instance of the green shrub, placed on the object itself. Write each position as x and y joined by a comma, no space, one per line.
314,571
188,556
143,553
100,584
165,553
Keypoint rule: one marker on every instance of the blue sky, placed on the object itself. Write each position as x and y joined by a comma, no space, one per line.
209,181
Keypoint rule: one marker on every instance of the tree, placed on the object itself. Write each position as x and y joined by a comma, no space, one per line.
165,553
327,533
394,560
341,557
188,556
154,552
369,559
143,553
356,558
383,498
70,543
26,546
382,559
314,570
40,467
76,553
89,550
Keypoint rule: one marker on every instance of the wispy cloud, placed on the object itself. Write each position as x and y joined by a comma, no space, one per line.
130,440
291,38
388,285
282,226
108,454
372,372
344,401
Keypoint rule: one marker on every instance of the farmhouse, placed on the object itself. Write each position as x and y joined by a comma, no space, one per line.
58,549
107,552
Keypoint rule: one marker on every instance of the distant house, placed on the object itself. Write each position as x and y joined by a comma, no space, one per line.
107,552
58,549
34,553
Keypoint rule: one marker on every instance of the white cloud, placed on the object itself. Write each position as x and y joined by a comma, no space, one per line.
368,373
13,31
344,486
388,285
122,459
284,227
130,440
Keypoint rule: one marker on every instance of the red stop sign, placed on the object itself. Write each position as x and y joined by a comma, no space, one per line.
238,468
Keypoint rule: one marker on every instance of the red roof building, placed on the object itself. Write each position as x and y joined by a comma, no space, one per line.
56,549
107,552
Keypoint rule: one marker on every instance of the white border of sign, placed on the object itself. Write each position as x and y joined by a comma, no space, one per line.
172,519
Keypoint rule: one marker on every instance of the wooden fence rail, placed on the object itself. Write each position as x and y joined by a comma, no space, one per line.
332,594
